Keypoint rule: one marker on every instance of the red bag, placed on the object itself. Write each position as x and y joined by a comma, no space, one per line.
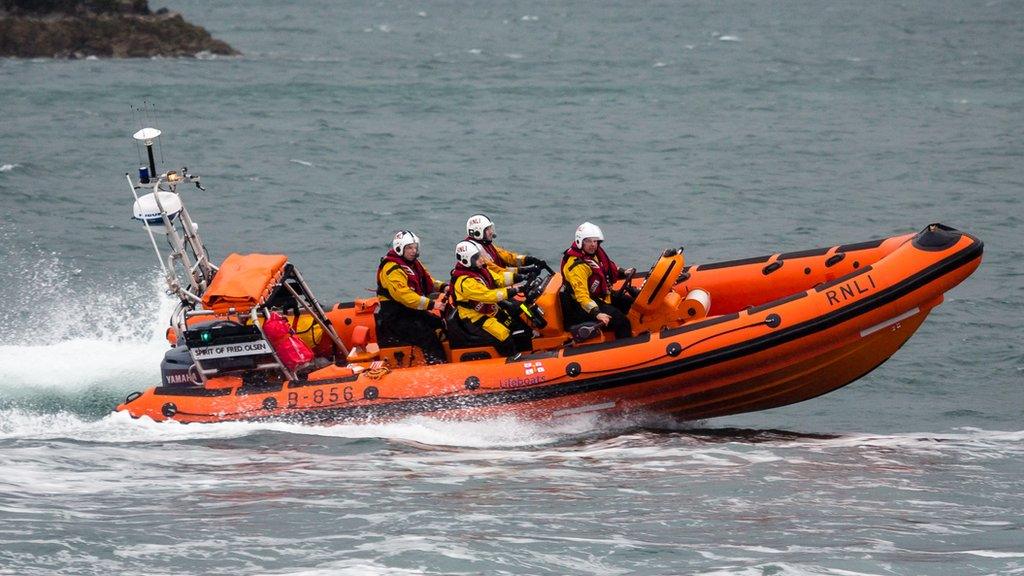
289,347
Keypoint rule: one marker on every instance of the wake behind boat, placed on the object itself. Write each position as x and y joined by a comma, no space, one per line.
710,339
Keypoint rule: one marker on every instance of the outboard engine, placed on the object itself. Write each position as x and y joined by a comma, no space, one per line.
177,368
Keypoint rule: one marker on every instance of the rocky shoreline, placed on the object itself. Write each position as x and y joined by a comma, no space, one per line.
99,28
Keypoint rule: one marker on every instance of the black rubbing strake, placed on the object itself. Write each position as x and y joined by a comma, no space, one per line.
779,302
834,259
771,267
731,263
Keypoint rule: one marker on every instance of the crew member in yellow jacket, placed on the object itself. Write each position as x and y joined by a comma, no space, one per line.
588,275
407,294
480,231
476,291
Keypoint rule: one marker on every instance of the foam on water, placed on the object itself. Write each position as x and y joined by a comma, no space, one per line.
350,568
70,342
423,432
83,362
785,569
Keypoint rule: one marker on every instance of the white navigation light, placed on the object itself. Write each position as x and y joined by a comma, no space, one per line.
147,210
146,134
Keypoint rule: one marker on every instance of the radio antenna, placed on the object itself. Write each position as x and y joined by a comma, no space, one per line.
135,120
156,124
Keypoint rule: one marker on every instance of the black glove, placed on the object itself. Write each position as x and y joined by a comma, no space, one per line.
516,289
527,273
534,261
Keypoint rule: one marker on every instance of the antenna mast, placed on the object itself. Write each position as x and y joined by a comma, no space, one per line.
187,268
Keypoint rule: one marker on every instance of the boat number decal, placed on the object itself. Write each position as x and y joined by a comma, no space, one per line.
533,374
850,290
319,396
228,350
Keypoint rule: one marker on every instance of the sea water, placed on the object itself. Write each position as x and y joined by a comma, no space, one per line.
734,129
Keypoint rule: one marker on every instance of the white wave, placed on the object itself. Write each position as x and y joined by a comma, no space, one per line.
8,167
421,431
937,441
88,339
353,567
65,336
994,554
784,569
74,364
729,38
302,162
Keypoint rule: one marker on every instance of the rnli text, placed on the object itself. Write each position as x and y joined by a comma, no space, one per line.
850,290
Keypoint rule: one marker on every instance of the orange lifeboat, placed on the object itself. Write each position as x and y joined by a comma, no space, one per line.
710,340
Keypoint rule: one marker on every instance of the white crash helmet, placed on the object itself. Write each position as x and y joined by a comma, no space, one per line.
477,225
402,239
467,253
587,230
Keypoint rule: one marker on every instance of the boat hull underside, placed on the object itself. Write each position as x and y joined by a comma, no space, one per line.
724,390
798,382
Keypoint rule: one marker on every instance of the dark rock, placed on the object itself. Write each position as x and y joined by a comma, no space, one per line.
106,28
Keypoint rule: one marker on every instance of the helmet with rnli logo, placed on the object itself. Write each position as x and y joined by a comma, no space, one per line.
587,230
477,225
467,253
402,239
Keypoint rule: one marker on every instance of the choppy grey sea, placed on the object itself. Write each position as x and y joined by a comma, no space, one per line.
733,128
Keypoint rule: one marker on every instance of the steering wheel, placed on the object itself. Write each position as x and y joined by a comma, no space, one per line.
535,288
625,284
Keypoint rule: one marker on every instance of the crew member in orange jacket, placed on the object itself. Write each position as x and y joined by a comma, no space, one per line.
407,293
